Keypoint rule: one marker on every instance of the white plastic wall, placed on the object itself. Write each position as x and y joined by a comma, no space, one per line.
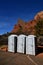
11,43
21,43
30,45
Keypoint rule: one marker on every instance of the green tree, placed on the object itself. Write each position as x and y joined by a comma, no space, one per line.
39,28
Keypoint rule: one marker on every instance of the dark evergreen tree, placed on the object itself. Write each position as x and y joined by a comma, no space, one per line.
39,28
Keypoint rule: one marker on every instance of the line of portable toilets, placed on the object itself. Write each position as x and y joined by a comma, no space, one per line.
22,44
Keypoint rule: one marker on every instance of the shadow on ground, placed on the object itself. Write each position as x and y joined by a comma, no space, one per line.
39,50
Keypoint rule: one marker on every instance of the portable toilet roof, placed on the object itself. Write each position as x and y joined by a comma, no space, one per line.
21,43
12,35
22,35
11,43
31,36
30,44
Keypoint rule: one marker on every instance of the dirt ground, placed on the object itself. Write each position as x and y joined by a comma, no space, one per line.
4,47
7,58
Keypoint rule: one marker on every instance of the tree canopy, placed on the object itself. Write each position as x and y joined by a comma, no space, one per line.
39,28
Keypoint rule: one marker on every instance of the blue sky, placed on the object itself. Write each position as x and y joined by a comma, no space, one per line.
12,10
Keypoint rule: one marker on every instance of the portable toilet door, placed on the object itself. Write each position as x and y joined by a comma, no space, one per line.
12,43
21,44
30,44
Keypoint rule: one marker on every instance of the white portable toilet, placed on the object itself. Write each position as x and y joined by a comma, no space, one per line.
12,43
21,44
31,45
